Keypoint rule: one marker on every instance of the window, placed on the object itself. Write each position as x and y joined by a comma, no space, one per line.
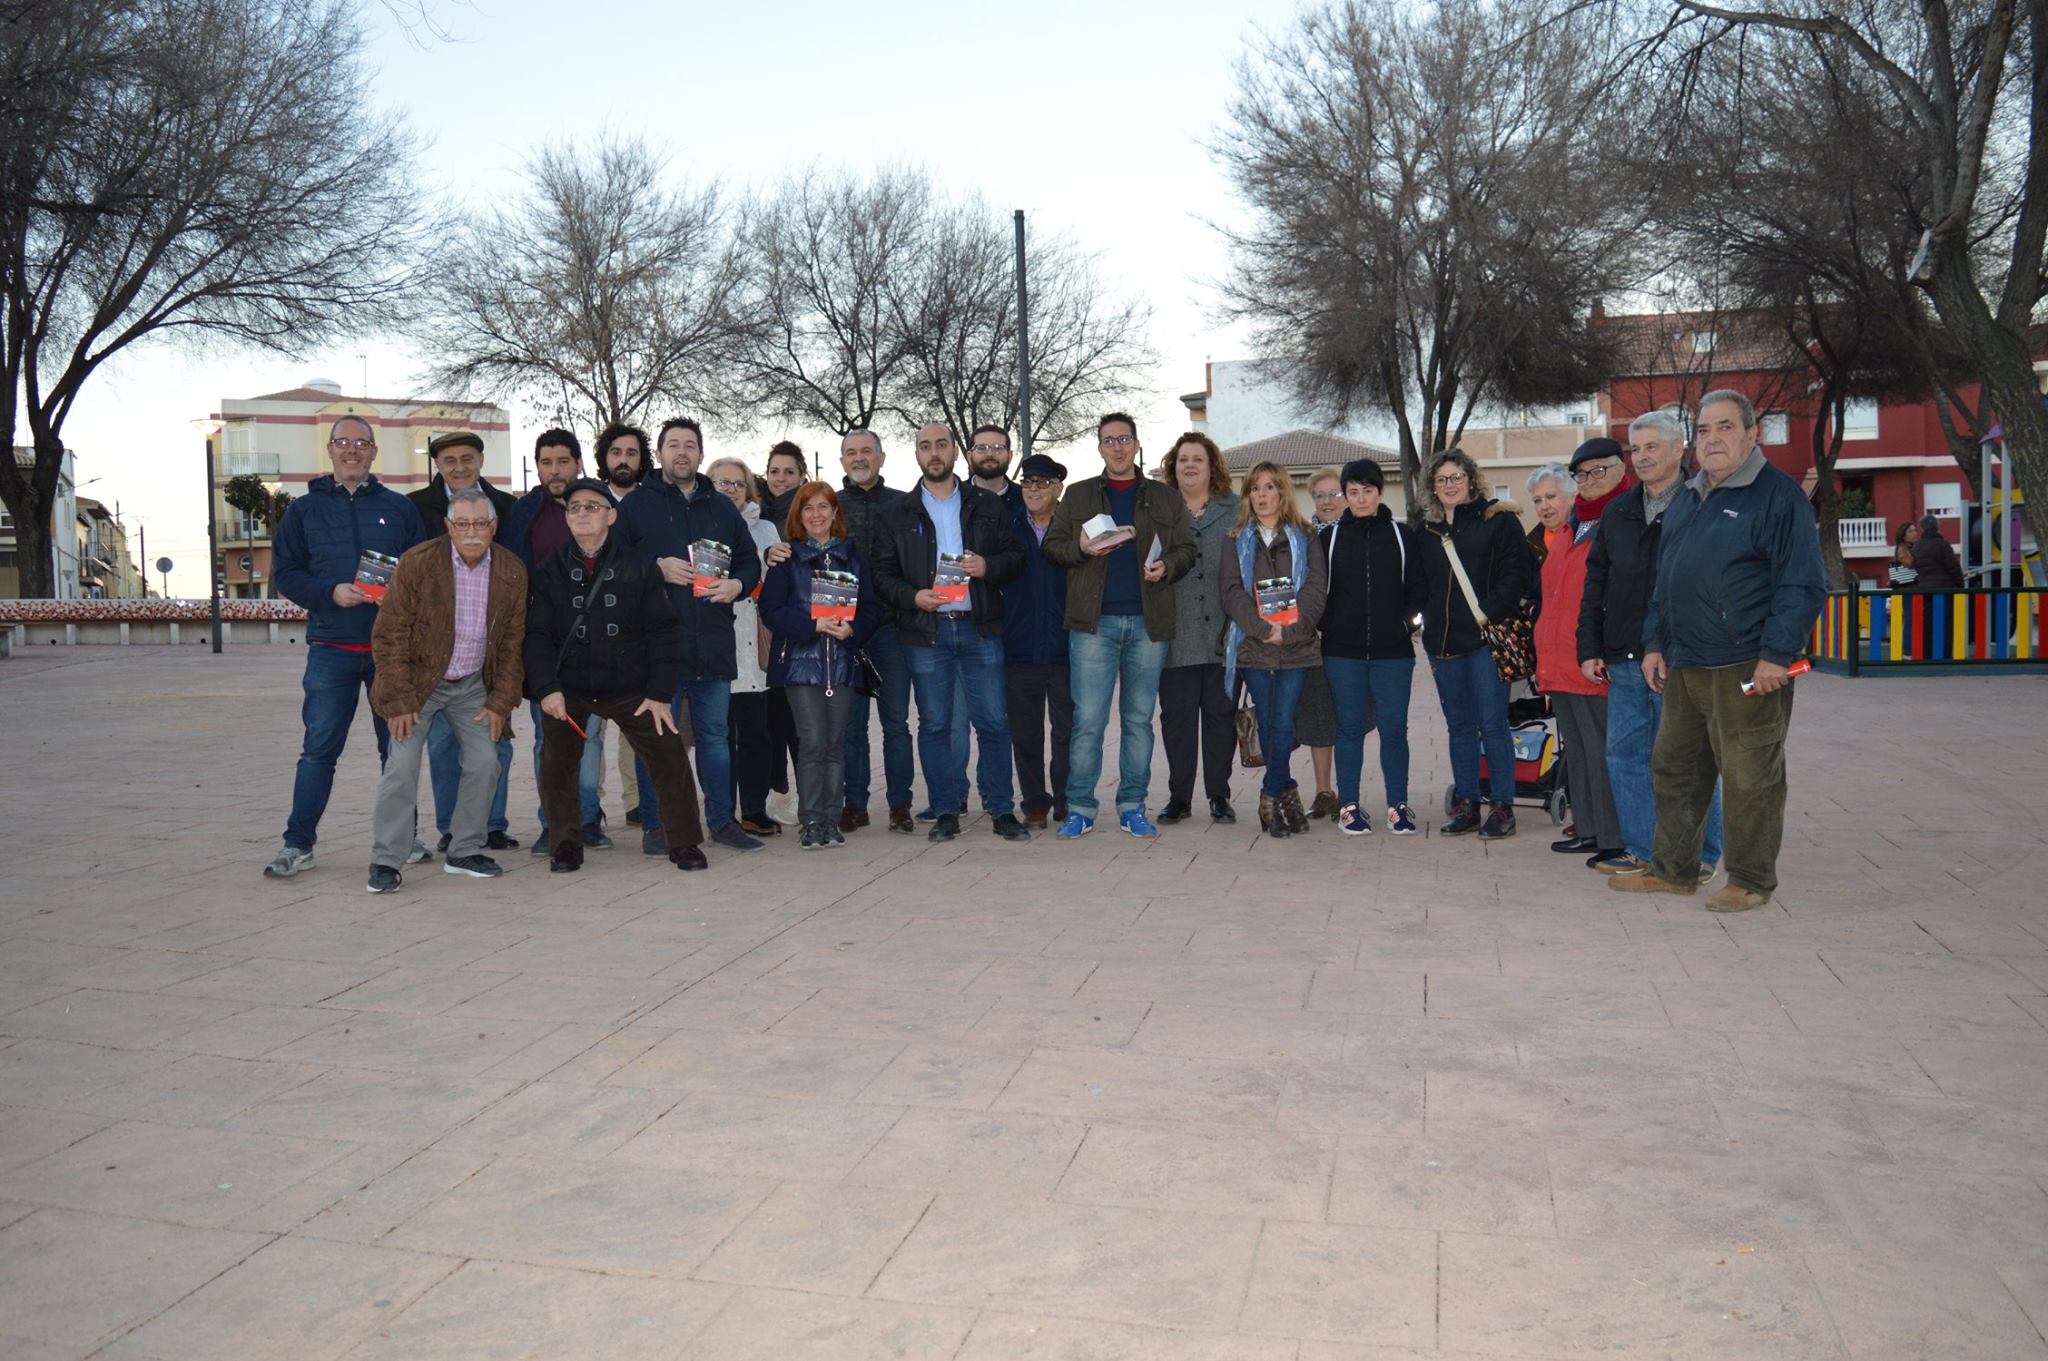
1776,428
6,520
1703,342
1944,500
1500,491
1859,418
244,526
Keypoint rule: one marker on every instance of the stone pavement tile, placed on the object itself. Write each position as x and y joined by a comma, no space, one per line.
829,1239
757,1136
785,1325
764,1065
1344,1283
1434,1043
1543,959
1888,1308
1028,1022
979,935
967,1152
28,1349
1971,931
1798,1124
552,1052
1645,1117
1029,1337
456,949
1126,944
1352,1098
254,1032
29,960
865,1013
960,1075
1032,976
717,1005
28,1133
277,982
598,1058
896,966
564,999
1982,1070
2028,1284
1915,1013
1929,969
1845,1065
332,942
17,994
490,1310
144,970
1969,1136
1764,963
1431,952
603,957
1595,999
367,1107
125,1020
1262,1173
1757,1199
415,990
559,1120
1249,983
445,1046
1277,943
1954,1217
1552,1297
1092,1085
1890,929
1339,1351
1205,1031
1125,1266
1611,1053
84,1278
1393,993
199,1177
292,1300
611,1217
201,1089
50,1073
1475,1185
1724,1005
117,917
368,1194
207,933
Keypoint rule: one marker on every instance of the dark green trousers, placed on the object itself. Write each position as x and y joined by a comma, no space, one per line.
1711,729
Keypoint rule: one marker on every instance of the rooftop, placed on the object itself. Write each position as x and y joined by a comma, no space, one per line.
323,397
1308,449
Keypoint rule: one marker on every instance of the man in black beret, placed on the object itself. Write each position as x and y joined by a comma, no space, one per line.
1035,678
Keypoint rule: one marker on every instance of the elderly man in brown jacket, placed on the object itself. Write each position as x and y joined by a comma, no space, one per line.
447,640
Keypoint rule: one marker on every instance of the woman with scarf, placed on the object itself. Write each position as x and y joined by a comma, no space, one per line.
753,751
1272,544
1569,503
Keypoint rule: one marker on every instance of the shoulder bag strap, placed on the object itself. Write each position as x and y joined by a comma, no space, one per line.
1464,582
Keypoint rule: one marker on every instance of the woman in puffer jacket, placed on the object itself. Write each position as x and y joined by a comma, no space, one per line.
813,659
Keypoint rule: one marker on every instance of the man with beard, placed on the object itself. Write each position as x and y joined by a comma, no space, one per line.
535,529
622,462
988,458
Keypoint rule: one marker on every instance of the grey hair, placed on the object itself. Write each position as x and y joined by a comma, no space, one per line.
860,430
1554,472
1742,404
473,494
1666,423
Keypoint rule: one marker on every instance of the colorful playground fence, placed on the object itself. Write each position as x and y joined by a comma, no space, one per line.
1976,626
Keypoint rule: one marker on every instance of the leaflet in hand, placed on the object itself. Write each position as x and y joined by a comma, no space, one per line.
1104,532
949,583
710,563
834,595
373,573
1277,604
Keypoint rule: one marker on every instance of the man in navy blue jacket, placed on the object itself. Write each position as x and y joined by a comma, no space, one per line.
1035,678
1739,584
319,545
661,521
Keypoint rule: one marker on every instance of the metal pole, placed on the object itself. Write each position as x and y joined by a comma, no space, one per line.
1023,349
2007,548
143,564
1984,510
212,550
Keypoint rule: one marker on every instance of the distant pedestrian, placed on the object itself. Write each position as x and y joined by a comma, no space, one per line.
1935,560
1902,574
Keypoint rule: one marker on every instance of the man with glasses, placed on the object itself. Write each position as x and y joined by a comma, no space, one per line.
1035,677
1119,617
319,547
988,458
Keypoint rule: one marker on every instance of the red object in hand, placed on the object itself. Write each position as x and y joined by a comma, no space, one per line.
1798,668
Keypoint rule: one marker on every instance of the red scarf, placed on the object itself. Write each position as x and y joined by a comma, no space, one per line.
1586,512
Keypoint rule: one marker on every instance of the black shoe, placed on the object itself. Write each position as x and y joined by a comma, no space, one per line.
1575,845
1059,811
1615,858
498,841
442,844
633,816
1009,829
734,838
594,838
811,838
1221,811
1176,810
540,843
653,841
690,858
475,866
568,862
1499,823
384,879
945,827
833,836
1464,818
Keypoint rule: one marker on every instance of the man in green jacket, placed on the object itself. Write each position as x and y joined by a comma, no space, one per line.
1119,616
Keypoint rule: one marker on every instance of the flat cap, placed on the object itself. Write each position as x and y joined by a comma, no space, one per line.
1039,465
454,439
1599,448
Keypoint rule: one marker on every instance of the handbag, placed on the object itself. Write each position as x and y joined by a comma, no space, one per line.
867,677
1511,640
1249,753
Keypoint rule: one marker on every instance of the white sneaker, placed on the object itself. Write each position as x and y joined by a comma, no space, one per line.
289,861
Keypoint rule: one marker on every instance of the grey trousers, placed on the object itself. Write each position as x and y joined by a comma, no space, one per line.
1582,727
820,751
398,792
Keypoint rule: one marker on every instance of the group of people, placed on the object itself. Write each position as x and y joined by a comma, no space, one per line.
756,618
1924,560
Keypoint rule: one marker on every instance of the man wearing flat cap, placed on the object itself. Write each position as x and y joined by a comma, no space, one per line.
458,459
1035,679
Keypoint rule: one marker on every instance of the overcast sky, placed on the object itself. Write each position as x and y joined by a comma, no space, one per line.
1091,117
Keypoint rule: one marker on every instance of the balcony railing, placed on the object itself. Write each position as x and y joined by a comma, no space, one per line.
238,462
1864,531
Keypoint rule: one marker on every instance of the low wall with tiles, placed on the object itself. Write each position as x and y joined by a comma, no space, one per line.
53,623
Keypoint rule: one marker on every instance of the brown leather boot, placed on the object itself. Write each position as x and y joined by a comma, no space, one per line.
1291,812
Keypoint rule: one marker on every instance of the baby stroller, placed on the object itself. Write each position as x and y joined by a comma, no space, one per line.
1539,771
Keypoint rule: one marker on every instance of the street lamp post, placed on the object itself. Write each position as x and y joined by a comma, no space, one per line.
209,428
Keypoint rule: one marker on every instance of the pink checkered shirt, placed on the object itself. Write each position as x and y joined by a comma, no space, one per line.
472,615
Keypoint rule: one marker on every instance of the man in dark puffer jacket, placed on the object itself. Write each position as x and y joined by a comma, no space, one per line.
601,638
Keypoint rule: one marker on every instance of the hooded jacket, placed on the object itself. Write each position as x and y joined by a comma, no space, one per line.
903,546
1935,560
431,501
658,521
625,647
1377,587
1557,627
321,540
1490,543
800,654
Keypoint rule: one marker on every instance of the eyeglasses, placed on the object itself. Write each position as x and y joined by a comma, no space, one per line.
1117,441
1448,479
1038,483
585,507
471,526
728,484
1593,472
989,449
361,446
1327,495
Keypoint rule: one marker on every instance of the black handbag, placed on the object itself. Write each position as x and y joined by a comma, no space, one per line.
867,677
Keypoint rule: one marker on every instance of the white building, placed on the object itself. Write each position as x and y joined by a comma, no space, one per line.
63,532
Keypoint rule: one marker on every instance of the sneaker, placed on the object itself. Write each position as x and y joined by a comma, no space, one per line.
498,841
733,838
1077,825
1401,820
811,838
760,826
833,836
540,843
288,861
384,879
927,814
1008,828
1352,821
594,838
419,854
1134,821
1594,862
442,844
653,841
475,866
1500,823
1735,898
1623,866
1707,874
1464,818
945,827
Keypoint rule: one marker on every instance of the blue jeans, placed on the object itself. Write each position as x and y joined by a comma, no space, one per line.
1475,703
334,681
1276,694
1374,692
589,775
898,766
444,772
1122,656
962,662
710,727
1634,712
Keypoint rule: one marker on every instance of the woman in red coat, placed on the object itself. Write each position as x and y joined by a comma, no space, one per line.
1569,502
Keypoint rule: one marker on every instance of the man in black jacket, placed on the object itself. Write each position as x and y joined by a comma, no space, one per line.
1621,571
952,635
862,496
601,639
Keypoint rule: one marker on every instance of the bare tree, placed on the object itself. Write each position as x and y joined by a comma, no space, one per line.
202,168
1430,222
601,293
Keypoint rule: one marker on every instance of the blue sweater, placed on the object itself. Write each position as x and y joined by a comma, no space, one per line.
320,541
1122,592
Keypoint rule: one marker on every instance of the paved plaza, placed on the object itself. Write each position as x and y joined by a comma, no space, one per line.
1213,1098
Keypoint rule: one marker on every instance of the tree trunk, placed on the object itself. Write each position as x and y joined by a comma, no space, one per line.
32,546
1827,491
2007,371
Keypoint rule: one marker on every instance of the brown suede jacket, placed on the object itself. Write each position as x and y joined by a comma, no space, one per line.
415,632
